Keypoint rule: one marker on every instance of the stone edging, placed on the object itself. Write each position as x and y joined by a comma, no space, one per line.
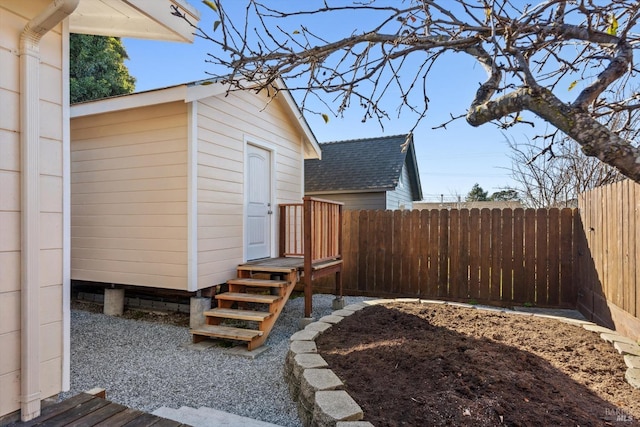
319,393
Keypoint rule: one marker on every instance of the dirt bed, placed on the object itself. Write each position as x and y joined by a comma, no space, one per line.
432,365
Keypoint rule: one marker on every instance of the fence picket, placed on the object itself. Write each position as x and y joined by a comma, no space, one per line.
443,251
354,252
454,253
474,253
485,250
434,263
542,273
507,255
519,289
567,265
553,291
425,235
363,250
496,243
462,267
397,252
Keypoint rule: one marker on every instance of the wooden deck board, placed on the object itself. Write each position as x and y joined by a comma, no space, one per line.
95,417
286,263
258,298
226,332
291,263
85,409
255,283
230,313
120,418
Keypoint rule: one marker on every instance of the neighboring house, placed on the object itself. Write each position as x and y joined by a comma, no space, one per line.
374,173
34,180
173,188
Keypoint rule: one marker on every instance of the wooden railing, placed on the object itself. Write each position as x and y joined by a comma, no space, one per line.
313,230
291,239
312,227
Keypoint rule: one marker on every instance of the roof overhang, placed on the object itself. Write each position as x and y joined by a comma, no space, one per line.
192,92
353,191
146,19
128,102
311,146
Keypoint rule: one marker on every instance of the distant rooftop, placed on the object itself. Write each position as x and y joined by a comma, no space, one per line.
371,164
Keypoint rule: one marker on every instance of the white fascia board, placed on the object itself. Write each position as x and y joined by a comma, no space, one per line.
369,190
126,102
160,11
148,19
314,152
200,91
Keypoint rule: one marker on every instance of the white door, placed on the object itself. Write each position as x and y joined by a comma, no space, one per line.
259,209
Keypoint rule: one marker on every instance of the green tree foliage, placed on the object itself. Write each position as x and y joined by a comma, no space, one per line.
477,194
97,68
505,196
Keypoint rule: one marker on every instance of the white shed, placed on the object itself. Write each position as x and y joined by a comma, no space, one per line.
173,188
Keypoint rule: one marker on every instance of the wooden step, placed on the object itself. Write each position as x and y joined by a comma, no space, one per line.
230,313
266,268
234,296
325,264
259,283
226,332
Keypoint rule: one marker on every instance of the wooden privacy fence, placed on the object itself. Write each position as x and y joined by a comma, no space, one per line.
608,271
509,255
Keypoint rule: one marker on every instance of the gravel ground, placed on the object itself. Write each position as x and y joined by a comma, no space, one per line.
145,365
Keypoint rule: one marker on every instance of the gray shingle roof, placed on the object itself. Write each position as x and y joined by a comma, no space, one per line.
361,165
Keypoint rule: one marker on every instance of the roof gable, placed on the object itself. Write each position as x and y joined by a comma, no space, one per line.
363,165
194,91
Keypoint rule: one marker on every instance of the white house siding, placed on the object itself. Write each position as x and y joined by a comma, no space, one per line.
129,197
224,125
13,17
401,197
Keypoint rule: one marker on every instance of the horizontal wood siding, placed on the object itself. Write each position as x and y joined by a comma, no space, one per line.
129,197
401,197
224,123
357,201
14,15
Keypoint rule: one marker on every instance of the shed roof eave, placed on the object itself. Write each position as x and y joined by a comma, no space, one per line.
350,191
126,102
135,18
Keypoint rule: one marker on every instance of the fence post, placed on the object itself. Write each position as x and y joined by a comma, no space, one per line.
308,244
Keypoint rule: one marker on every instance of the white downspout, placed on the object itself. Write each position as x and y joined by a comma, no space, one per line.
30,38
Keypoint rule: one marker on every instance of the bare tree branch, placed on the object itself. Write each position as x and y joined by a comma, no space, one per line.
530,53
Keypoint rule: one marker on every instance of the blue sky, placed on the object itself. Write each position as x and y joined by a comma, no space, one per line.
450,161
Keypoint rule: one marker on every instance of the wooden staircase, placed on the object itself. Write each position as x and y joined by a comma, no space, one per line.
267,298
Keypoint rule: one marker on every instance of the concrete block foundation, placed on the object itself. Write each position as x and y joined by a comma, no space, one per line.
113,302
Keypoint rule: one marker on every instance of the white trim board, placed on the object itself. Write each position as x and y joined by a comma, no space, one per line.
192,196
